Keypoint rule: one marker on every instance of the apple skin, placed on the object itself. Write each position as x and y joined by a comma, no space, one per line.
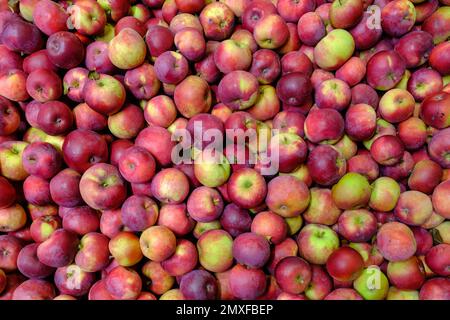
44,85
81,220
423,83
58,250
160,280
97,58
271,32
64,188
20,36
408,274
343,294
265,66
64,44
363,93
192,96
13,85
425,176
437,259
251,250
235,220
12,60
157,243
172,294
132,23
29,264
43,227
255,11
345,14
270,225
34,289
11,162
387,150
170,186
98,291
360,121
439,58
42,160
294,88
217,20
296,61
364,283
435,110
345,264
153,139
50,17
292,201
238,90
413,133
127,50
440,193
142,82
10,120
215,250
311,28
12,246
87,118
123,283
425,9
321,209
324,126
199,285
405,243
437,25
316,243
398,17
351,198
93,254
385,194
438,148
333,50
36,191
414,48
73,83
293,274
184,259
205,204
12,218
381,65
326,165
435,289
102,187
160,41
125,249
175,218
73,281
88,17
104,94
160,111
247,283
8,193
184,20
401,294
333,93
246,188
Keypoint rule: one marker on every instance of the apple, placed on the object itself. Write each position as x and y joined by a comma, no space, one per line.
343,294
159,39
184,20
59,249
271,31
123,283
235,220
13,85
11,162
157,243
387,150
354,197
170,186
407,274
44,85
217,20
326,165
10,121
293,274
125,249
247,283
160,281
242,36
345,264
324,125
316,243
251,249
215,250
291,11
333,50
345,14
255,11
142,82
413,133
205,204
294,88
385,194
36,191
199,285
160,111
372,284
12,60
88,17
34,289
184,259
414,48
423,83
50,17
396,105
425,176
97,58
437,259
363,93
158,141
73,281
436,25
404,246
440,193
65,49
104,94
435,289
434,110
192,96
438,58
176,218
42,228
270,225
29,264
8,193
311,28
93,254
385,69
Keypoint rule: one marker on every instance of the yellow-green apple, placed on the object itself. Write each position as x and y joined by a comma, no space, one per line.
396,105
11,163
352,191
215,251
372,284
333,50
88,17
316,243
211,169
125,249
385,194
127,50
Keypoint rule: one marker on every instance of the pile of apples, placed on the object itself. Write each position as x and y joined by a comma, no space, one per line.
92,205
